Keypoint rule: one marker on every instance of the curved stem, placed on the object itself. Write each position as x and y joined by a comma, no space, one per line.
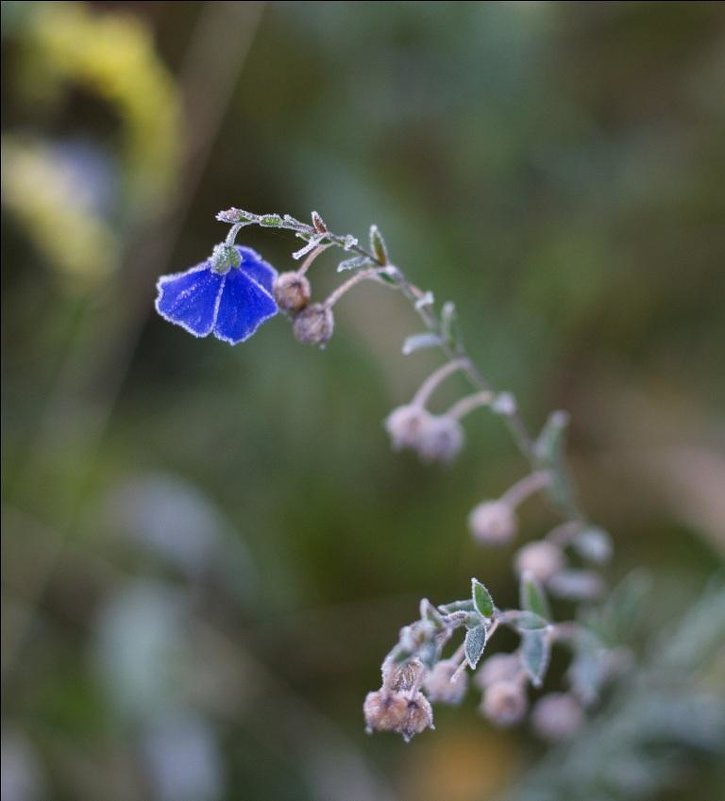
363,275
527,486
453,352
470,403
307,263
428,387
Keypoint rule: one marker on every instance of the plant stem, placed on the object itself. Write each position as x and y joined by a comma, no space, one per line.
428,387
453,353
363,275
527,486
470,403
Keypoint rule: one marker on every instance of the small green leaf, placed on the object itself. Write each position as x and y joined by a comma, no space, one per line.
474,644
457,606
450,327
377,245
270,221
621,613
419,342
430,613
535,654
587,672
532,596
482,599
524,621
549,450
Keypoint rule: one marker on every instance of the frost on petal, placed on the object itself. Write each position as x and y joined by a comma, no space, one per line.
256,267
243,307
190,299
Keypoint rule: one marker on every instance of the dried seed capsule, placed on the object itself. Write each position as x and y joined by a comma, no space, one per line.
446,684
493,523
556,716
398,712
291,291
314,325
542,559
384,710
504,703
405,424
405,676
440,440
498,668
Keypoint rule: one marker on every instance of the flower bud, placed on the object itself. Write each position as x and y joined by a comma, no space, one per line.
576,585
291,291
498,668
440,440
404,425
556,716
542,559
493,523
446,684
504,703
397,712
314,325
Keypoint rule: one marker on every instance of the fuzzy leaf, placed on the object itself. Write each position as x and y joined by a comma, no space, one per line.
549,450
430,613
450,326
270,221
419,342
587,672
474,644
524,621
482,599
457,606
535,654
377,245
532,596
354,263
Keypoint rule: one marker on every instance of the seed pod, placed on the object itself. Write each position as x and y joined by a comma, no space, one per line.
291,291
405,424
314,325
498,668
446,684
440,440
556,716
405,676
542,559
398,712
493,523
504,703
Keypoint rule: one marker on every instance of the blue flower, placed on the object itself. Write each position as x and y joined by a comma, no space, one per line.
231,303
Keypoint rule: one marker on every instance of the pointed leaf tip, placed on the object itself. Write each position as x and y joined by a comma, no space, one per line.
482,599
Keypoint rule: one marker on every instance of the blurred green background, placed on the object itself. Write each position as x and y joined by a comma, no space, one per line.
207,550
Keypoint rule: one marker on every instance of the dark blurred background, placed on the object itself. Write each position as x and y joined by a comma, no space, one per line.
208,550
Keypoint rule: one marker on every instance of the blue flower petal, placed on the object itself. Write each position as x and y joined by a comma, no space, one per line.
256,267
243,307
191,299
